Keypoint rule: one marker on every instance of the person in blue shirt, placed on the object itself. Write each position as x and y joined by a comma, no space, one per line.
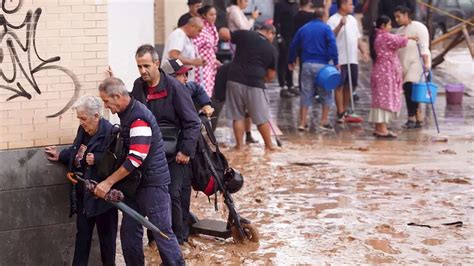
317,44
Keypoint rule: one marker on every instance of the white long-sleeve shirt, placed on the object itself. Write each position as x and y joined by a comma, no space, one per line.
237,20
409,56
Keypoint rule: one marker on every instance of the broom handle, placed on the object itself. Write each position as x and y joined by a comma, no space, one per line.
277,139
428,86
349,73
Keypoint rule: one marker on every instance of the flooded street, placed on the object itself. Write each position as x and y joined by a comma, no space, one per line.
338,202
346,197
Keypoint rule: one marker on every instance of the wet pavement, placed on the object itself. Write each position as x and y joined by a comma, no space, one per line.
346,197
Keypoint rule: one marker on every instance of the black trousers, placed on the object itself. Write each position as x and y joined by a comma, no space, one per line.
412,107
180,194
285,76
106,229
218,105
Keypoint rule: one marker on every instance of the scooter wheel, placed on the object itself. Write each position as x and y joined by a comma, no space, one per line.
251,234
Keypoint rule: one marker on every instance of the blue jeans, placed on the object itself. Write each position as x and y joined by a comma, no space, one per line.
154,203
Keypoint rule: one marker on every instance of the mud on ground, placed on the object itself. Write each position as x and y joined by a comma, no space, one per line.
328,201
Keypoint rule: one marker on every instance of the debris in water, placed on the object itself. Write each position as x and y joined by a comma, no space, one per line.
447,151
456,181
308,163
358,148
456,224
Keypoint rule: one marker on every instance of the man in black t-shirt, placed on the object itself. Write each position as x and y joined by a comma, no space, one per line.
254,64
193,6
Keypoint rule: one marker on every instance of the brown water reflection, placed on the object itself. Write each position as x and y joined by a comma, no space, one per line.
323,201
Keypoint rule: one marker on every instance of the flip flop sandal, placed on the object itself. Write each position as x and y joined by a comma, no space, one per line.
302,129
390,135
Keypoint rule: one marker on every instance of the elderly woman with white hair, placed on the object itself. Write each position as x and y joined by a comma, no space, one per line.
83,156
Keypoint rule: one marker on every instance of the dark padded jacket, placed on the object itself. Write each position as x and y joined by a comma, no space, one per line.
172,104
198,94
154,169
96,145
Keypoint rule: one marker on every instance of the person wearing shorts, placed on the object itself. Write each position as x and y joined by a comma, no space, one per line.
347,50
317,46
249,99
254,64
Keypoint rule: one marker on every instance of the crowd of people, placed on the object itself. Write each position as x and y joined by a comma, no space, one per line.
159,121
329,34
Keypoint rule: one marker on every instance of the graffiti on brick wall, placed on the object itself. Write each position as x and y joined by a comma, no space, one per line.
10,41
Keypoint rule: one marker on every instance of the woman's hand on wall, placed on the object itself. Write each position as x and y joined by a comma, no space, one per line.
52,153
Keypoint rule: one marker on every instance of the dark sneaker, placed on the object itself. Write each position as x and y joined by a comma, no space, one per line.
355,97
341,117
418,124
285,93
409,124
294,91
250,140
326,127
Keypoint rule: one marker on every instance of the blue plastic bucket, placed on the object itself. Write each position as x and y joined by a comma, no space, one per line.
420,92
328,78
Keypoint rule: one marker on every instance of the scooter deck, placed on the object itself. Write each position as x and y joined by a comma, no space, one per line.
211,228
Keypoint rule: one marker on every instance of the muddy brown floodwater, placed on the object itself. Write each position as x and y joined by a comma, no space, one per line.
331,201
347,198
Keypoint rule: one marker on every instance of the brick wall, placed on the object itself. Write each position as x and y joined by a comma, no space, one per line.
66,54
159,22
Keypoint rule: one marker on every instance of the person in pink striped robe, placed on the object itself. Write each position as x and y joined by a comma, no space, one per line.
206,45
386,76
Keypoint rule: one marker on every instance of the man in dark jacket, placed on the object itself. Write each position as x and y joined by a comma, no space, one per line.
218,94
283,15
174,111
83,156
146,166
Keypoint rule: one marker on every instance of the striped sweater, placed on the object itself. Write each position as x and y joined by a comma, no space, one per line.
140,141
142,137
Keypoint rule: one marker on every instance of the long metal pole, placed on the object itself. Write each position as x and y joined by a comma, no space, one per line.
348,68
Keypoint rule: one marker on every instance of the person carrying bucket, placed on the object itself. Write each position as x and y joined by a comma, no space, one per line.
348,39
317,46
410,58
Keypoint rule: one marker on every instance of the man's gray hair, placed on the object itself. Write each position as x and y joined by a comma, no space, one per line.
196,21
90,104
147,49
113,86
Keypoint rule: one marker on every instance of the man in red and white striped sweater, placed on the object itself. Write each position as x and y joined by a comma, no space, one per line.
145,170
